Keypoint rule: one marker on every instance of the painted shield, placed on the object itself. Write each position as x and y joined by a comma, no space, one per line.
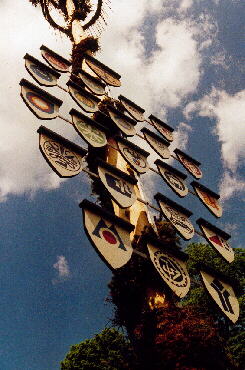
55,60
119,184
223,294
91,131
208,198
157,143
216,238
134,155
102,71
63,156
177,215
123,122
108,234
93,84
173,178
133,109
85,100
40,103
190,164
41,73
172,270
162,128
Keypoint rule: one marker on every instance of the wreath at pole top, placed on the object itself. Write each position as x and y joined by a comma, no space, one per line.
82,9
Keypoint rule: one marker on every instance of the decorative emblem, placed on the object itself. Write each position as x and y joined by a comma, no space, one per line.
85,100
216,238
208,198
64,157
119,184
108,233
102,71
172,270
162,128
93,84
173,177
41,73
191,165
41,103
124,123
133,109
177,215
157,143
134,155
223,294
91,131
55,60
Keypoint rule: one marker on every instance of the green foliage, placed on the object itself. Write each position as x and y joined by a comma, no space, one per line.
234,335
109,350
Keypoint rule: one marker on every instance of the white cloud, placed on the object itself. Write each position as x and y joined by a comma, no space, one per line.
181,136
63,269
229,113
230,185
185,4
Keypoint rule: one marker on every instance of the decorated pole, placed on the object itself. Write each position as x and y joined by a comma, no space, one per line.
150,273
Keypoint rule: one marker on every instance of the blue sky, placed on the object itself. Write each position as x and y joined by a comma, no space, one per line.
180,60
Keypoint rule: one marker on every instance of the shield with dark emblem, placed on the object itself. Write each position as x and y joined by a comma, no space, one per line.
171,268
208,198
217,238
134,155
91,131
63,156
157,143
119,184
55,60
162,128
173,178
133,109
95,85
41,73
177,215
85,100
123,122
40,103
223,294
108,234
190,164
102,71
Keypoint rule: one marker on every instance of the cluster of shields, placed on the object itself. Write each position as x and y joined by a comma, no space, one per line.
108,233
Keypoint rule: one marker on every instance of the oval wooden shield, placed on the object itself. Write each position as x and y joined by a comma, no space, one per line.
124,123
40,103
133,109
91,131
157,143
85,100
134,155
108,234
93,84
55,60
177,215
190,164
208,198
223,294
41,73
102,71
119,184
162,128
172,270
173,178
216,238
63,156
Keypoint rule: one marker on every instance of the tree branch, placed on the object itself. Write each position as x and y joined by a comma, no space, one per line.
52,23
